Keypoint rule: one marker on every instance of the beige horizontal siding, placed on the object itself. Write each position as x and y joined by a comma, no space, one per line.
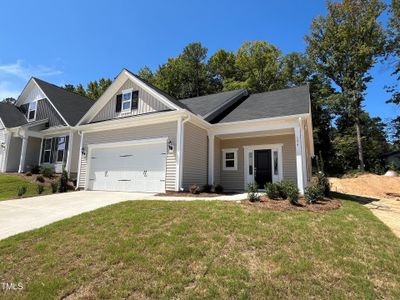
194,169
147,103
130,134
234,180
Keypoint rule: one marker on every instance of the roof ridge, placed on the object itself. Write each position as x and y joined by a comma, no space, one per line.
63,89
237,90
287,88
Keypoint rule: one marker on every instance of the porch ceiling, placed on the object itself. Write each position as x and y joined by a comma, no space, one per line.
255,134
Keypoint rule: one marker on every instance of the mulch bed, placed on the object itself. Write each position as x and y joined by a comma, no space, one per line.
187,194
325,204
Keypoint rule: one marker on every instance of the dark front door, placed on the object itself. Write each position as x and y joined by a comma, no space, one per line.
263,167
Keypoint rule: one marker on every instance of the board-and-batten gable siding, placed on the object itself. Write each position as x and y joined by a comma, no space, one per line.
234,180
146,103
45,110
131,134
195,163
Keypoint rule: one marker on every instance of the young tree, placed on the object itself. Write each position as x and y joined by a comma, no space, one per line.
344,46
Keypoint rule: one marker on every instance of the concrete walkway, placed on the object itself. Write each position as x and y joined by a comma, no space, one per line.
21,215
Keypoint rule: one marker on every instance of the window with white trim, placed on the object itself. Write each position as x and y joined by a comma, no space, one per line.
229,159
61,142
32,111
126,100
47,150
275,157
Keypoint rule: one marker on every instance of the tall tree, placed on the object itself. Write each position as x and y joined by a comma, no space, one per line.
393,53
345,45
94,88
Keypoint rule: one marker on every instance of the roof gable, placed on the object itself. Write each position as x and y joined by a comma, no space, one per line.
71,106
95,113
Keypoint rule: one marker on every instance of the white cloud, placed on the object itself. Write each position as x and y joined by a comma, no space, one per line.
14,76
19,70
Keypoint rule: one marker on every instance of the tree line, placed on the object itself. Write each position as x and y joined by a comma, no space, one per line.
342,47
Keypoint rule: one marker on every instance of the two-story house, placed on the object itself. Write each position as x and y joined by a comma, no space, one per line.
40,128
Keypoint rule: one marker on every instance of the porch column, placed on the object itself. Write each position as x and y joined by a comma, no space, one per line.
178,152
69,153
23,155
211,141
299,159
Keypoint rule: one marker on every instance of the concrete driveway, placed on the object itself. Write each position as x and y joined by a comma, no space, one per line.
21,215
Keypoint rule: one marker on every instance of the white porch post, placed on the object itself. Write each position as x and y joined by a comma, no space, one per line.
299,159
211,141
23,155
178,154
69,152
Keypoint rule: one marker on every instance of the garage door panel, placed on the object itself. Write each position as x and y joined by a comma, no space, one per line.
129,168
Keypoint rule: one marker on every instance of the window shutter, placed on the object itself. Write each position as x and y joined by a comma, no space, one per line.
135,100
118,103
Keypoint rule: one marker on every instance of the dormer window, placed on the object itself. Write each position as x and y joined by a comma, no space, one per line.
126,100
32,111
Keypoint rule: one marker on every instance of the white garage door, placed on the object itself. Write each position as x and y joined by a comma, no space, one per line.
129,168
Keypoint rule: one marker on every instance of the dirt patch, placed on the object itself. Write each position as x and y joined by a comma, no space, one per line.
325,204
186,194
367,185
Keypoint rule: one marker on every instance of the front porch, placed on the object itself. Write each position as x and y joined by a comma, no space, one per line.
241,155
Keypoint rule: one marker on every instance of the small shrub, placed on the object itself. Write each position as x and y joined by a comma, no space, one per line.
207,188
63,182
40,188
47,172
40,179
252,192
272,190
194,189
313,193
392,166
324,184
283,188
54,186
21,191
219,189
29,174
35,169
292,192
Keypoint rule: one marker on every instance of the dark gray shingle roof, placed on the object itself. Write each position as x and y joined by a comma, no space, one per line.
11,115
71,106
278,103
204,105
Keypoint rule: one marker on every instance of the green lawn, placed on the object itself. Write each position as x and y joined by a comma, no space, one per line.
9,184
156,249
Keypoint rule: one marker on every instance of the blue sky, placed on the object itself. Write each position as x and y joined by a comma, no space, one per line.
78,41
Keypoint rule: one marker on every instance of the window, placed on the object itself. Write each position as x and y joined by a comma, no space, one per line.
276,169
32,111
60,148
229,158
47,150
126,100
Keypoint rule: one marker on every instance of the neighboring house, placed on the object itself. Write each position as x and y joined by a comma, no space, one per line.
39,128
137,138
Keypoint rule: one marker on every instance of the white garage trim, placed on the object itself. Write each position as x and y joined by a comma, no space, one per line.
117,145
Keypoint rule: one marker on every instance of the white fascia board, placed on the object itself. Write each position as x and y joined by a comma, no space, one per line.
132,121
128,143
255,125
30,81
153,92
57,131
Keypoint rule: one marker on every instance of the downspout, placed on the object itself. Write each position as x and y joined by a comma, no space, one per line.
188,118
80,133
